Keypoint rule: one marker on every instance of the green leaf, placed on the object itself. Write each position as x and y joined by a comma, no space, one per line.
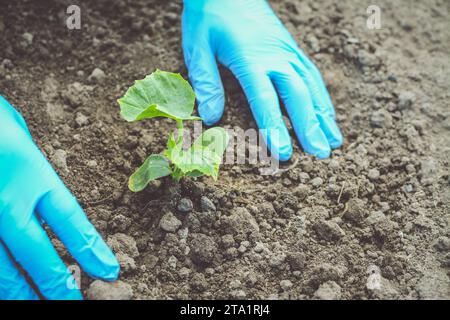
171,142
177,174
194,174
204,156
197,159
155,166
160,94
171,145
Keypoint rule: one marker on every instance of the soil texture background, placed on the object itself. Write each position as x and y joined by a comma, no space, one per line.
371,222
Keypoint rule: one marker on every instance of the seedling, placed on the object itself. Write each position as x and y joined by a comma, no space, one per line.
168,95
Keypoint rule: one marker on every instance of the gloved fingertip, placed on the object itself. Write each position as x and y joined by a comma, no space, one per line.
333,135
65,216
111,273
318,146
284,153
211,110
336,142
331,131
279,143
103,263
322,154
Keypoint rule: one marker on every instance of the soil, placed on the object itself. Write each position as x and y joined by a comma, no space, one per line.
372,222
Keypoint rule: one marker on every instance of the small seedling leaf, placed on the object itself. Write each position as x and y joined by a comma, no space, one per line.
155,166
160,94
204,156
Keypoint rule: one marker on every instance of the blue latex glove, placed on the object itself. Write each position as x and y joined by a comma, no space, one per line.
247,37
31,192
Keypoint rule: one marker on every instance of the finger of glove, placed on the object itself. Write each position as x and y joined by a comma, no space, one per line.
32,249
315,73
15,114
66,218
204,76
327,122
13,285
299,105
265,107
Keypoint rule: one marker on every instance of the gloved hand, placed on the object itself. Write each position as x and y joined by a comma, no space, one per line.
246,37
31,193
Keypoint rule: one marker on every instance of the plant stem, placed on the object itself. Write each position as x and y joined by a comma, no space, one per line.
180,128
176,173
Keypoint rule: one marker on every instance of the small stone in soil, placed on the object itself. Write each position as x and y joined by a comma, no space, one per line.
28,38
317,182
366,58
286,285
81,120
277,260
296,260
303,177
100,290
7,64
238,294
126,263
185,205
334,164
122,243
259,247
203,249
405,100
169,222
328,291
142,287
97,75
231,253
59,159
443,244
375,217
428,169
356,211
381,119
198,282
228,241
242,249
206,204
301,191
240,222
373,174
235,284
92,164
329,230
